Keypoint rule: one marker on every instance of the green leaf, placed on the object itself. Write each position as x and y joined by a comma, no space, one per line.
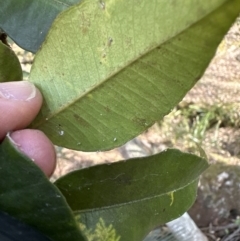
136,195
11,230
27,22
26,194
10,68
122,65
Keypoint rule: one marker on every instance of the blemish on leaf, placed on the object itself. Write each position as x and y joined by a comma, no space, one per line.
110,40
171,194
90,96
102,4
107,109
140,121
60,130
81,121
85,23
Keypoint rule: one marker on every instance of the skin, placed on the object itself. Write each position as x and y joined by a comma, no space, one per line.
15,116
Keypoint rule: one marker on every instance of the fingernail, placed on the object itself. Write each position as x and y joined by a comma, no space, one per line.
12,141
22,90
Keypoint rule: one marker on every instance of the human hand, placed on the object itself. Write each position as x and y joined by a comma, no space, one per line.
19,104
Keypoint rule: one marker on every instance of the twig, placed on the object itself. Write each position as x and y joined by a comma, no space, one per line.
232,225
27,62
230,237
211,236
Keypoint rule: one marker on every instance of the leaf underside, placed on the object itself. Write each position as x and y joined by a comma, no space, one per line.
123,65
145,192
27,194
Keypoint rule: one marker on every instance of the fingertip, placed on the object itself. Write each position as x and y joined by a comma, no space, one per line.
37,147
20,102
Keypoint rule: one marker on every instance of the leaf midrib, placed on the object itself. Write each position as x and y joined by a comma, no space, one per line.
133,201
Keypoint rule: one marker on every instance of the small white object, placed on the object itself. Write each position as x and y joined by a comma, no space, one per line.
222,176
61,133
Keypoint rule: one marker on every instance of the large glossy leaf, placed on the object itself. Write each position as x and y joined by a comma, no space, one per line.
136,195
10,68
27,22
108,70
25,193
